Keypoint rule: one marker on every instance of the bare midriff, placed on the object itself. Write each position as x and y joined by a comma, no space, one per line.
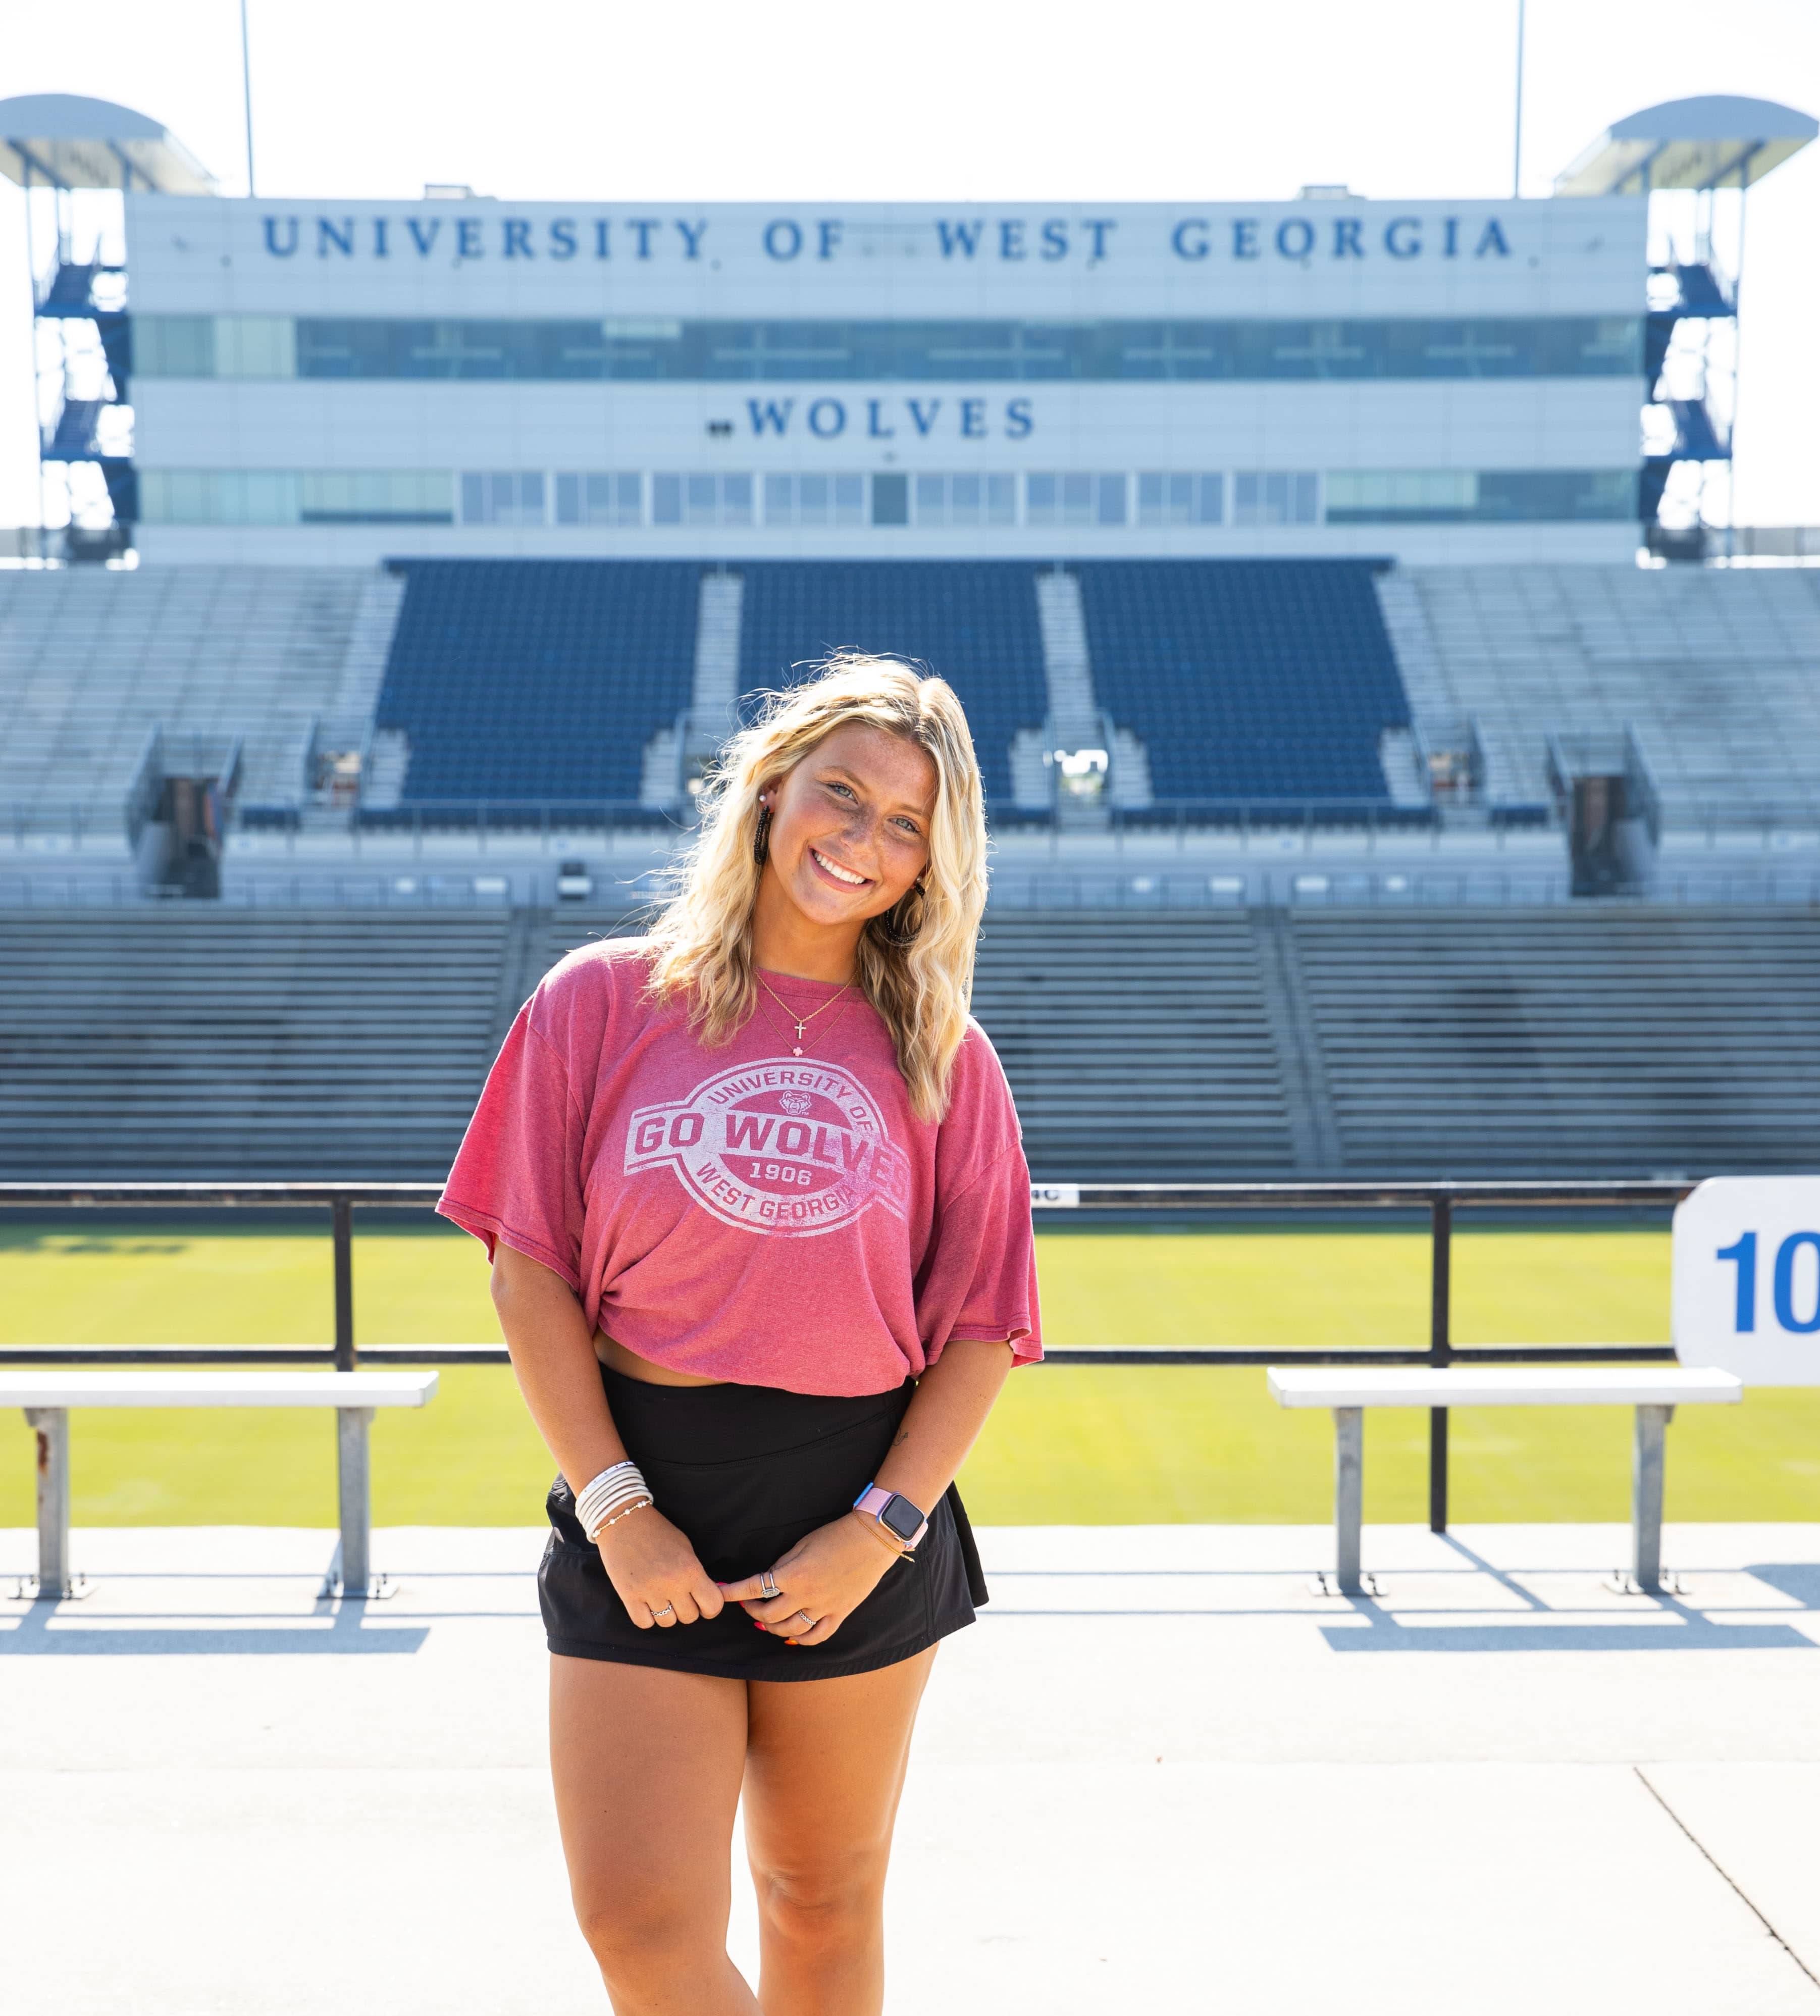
630,1365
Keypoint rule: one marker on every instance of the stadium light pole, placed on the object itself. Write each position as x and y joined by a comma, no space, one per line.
246,97
1516,150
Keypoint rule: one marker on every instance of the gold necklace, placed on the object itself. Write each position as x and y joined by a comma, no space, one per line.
801,1021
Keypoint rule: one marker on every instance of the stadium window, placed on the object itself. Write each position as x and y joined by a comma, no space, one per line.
292,497
597,498
377,497
1173,498
970,351
699,498
173,346
218,497
966,500
1491,496
256,346
1074,499
814,500
503,497
1275,497
890,498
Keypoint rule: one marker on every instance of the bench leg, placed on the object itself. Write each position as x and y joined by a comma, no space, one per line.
1348,1496
1647,1451
353,1480
51,1425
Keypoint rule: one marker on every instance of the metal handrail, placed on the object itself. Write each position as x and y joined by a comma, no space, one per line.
1439,1196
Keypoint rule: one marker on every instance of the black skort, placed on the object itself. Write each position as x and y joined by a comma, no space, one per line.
745,1472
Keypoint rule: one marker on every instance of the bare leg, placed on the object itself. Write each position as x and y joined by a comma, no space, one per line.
647,1765
824,1767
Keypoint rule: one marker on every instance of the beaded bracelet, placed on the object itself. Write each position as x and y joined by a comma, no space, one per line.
625,1512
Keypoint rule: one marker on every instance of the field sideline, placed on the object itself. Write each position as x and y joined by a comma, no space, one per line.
1091,1445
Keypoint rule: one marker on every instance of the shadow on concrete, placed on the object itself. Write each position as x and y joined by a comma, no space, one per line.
346,1634
1799,1580
1378,1631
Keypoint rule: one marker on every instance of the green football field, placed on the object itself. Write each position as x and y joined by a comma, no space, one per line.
1089,1444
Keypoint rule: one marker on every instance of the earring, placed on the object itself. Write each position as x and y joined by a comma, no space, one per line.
894,928
761,839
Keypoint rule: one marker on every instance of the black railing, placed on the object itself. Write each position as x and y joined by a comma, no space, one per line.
1054,1201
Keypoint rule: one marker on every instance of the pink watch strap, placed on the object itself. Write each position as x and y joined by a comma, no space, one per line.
874,1499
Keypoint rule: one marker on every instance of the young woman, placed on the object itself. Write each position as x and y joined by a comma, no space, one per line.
760,1225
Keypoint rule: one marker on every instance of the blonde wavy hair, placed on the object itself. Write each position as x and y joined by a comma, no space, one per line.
915,963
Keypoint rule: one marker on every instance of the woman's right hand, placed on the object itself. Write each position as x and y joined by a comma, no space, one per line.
654,1568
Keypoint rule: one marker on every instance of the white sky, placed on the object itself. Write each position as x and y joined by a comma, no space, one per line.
946,100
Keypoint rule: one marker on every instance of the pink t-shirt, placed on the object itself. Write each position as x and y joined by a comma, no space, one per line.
741,1213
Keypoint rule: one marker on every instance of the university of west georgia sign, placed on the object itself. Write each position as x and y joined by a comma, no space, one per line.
1297,238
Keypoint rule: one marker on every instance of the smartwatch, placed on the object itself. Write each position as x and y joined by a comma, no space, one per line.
893,1512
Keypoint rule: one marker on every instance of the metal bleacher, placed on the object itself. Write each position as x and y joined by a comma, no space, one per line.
1247,680
974,621
1552,1042
1718,669
537,681
92,660
181,1040
1139,1048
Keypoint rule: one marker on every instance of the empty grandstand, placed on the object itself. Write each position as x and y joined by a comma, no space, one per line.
1311,672
191,1040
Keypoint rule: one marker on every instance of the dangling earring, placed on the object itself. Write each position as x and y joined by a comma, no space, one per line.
894,928
761,839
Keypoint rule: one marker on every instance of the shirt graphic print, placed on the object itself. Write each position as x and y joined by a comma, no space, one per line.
776,1146
731,1212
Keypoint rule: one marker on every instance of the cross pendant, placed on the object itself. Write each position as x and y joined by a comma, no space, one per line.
799,1032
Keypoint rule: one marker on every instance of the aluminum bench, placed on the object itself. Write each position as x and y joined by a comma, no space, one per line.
47,1396
1654,1391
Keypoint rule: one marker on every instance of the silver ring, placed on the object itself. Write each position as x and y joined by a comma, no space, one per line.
806,1618
664,1612
768,1581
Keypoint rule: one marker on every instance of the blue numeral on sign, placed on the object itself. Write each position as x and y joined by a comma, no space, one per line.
1785,1282
1744,1253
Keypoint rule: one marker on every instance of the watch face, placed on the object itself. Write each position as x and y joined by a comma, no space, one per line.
901,1518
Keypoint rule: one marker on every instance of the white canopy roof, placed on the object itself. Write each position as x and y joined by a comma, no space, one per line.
1689,143
89,143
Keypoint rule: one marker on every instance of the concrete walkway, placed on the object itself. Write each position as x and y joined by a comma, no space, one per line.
1159,1775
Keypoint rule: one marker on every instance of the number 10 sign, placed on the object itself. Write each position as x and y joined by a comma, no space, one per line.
1747,1278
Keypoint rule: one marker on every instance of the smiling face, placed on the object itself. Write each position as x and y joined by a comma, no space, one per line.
849,834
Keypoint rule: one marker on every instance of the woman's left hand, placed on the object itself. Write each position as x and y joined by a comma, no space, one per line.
821,1582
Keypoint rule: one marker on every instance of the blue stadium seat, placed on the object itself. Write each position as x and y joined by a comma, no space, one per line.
537,681
973,621
1252,680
